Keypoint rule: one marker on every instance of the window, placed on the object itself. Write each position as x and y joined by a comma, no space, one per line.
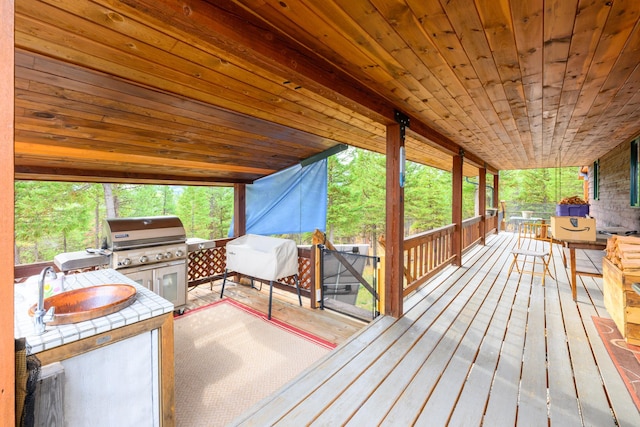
635,173
596,180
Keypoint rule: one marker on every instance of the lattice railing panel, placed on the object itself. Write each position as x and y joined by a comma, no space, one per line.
206,264
210,263
304,274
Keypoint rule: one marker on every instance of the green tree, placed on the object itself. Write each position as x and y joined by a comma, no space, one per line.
142,200
193,210
220,211
343,214
538,190
369,170
427,198
50,218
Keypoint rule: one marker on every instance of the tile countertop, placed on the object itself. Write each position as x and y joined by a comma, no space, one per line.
147,305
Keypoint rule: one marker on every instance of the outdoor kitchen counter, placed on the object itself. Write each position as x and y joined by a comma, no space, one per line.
147,305
135,343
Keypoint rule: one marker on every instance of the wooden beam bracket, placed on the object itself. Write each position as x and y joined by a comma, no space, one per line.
404,122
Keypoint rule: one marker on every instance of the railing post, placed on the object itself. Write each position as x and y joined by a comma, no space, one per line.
316,277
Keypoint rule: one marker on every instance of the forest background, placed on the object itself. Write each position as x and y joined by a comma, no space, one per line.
56,217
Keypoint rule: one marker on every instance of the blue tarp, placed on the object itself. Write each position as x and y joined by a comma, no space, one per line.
290,201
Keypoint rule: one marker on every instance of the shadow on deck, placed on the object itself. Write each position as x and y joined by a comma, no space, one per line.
473,348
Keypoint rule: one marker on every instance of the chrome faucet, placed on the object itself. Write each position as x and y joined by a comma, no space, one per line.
40,316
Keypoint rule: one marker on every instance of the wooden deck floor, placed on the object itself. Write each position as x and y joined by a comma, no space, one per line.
474,348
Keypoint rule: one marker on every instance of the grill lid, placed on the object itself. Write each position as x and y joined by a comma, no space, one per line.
127,233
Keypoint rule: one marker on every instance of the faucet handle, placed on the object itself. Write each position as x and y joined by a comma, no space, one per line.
48,316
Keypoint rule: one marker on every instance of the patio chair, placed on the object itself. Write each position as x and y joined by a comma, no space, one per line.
534,243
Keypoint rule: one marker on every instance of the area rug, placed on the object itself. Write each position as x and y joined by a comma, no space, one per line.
626,357
228,357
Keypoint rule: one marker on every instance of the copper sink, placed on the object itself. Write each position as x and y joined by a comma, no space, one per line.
88,303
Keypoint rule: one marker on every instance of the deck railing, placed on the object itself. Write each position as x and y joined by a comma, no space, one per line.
205,265
209,264
471,232
425,254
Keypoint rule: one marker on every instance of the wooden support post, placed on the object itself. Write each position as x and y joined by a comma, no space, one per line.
482,203
167,372
496,198
7,354
394,235
316,280
239,210
456,206
496,191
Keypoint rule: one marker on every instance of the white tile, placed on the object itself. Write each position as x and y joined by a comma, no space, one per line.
147,305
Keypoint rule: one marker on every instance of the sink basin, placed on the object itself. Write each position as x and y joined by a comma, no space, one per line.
88,303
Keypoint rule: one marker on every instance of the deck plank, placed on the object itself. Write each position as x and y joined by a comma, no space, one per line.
376,406
448,392
532,404
563,399
271,409
428,358
503,401
474,348
594,407
409,328
477,389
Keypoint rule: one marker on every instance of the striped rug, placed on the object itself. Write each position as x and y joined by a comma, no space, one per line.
625,356
228,357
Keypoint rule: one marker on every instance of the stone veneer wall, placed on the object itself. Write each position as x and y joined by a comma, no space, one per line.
614,209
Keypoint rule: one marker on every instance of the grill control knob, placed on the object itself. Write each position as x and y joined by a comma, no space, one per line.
168,255
179,253
159,257
144,259
126,261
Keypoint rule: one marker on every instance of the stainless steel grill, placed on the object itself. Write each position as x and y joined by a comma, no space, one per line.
129,233
151,251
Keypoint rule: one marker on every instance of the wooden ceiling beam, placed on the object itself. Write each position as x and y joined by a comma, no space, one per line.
42,173
76,154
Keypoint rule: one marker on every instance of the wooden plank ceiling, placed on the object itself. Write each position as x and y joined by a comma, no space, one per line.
223,91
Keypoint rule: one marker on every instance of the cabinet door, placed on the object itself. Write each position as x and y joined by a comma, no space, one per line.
170,283
142,277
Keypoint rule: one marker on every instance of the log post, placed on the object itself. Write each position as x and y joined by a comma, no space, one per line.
394,235
456,207
482,203
7,354
239,210
496,198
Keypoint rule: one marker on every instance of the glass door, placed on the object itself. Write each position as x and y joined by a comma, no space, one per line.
140,276
170,283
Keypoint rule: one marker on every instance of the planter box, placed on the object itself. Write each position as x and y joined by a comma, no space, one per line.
573,228
572,210
622,303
